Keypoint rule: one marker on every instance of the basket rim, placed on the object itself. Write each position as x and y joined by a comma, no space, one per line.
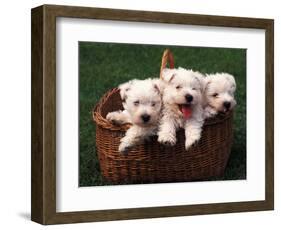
106,124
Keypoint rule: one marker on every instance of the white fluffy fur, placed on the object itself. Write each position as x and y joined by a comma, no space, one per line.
141,97
179,83
219,89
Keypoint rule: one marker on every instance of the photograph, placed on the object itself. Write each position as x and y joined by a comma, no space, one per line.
161,114
145,114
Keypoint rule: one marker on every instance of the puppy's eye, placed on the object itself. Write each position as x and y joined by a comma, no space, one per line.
178,87
136,103
153,104
215,95
194,89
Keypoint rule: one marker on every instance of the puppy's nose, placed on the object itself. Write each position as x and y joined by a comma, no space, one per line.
188,98
226,104
145,118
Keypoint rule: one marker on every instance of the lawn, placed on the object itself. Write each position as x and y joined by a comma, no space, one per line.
103,66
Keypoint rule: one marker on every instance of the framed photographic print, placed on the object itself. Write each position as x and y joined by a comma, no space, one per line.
147,114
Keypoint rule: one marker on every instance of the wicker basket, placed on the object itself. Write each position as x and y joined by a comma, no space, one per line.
152,162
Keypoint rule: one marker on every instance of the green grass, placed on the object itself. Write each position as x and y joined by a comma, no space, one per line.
104,66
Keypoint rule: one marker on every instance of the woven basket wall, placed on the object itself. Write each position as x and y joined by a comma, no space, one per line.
152,162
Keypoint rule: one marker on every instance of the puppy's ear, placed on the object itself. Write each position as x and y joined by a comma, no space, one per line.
205,83
231,79
201,78
168,74
158,86
124,88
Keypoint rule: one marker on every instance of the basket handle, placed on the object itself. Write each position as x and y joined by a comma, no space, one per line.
167,57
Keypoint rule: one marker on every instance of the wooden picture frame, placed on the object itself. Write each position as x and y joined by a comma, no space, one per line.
43,208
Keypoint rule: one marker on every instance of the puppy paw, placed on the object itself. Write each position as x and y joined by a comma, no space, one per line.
124,148
113,117
188,144
191,141
167,139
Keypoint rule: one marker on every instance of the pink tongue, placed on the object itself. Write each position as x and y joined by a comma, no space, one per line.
186,110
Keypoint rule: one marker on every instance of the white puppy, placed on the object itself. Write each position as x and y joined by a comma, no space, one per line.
142,104
182,106
218,94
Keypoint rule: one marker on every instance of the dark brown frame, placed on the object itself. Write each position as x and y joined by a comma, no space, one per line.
43,189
